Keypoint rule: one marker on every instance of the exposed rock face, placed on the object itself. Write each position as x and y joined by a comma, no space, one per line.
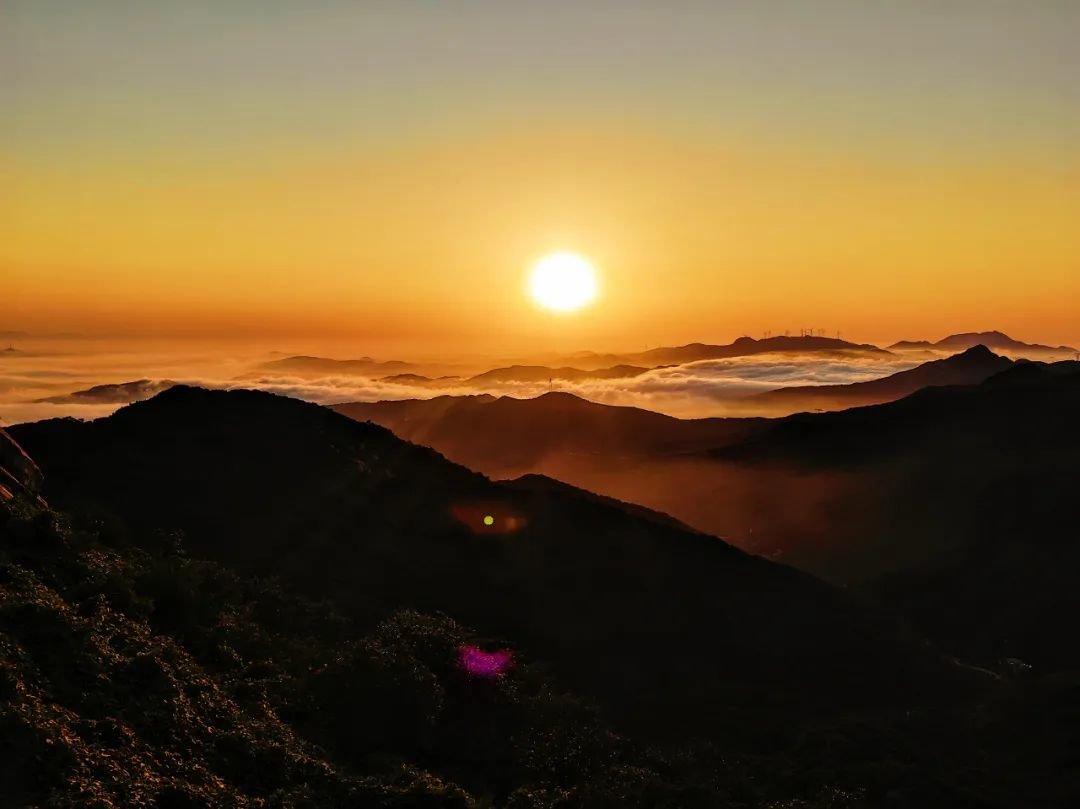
18,472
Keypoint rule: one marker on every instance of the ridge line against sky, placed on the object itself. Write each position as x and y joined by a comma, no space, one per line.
385,172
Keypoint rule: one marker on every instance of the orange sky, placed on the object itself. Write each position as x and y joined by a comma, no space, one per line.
882,207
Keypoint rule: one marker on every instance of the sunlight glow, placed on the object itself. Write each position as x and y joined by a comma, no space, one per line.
563,282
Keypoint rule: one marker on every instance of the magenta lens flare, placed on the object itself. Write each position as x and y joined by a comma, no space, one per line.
486,665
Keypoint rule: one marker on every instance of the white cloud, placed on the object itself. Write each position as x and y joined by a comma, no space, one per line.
708,387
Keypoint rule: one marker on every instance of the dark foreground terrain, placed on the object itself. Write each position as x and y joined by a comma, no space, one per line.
229,599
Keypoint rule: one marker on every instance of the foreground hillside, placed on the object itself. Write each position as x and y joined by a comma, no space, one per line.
348,511
136,676
133,672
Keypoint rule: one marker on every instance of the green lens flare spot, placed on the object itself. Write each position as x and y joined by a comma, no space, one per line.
489,520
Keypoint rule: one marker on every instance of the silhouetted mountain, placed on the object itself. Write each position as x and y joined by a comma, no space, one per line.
975,484
911,345
121,393
365,366
506,437
968,368
346,510
742,347
994,340
420,379
1025,372
541,373
517,373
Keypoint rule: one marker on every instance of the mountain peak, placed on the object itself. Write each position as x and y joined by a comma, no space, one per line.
997,340
976,352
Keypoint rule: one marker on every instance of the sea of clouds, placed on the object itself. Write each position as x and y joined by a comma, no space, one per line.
38,382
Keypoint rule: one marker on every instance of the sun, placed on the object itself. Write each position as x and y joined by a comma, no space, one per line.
563,282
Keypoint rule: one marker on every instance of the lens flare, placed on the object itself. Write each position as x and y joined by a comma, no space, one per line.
487,665
488,517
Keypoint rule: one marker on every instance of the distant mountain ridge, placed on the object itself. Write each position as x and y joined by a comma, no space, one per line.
119,393
741,347
543,373
363,366
534,374
524,431
994,340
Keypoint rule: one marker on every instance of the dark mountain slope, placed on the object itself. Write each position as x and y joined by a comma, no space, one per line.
992,417
968,368
139,677
132,674
347,510
1024,373
971,491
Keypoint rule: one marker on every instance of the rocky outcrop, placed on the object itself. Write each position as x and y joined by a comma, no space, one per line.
18,472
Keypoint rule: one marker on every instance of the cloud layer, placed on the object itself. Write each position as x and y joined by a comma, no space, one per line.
54,381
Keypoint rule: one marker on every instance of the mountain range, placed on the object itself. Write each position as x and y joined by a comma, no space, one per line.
969,367
994,340
506,436
118,393
518,373
19,475
728,390
959,479
741,347
364,366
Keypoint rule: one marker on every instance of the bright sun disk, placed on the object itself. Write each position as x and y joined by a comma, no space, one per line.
563,282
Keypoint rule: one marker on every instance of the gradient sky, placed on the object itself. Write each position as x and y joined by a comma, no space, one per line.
386,171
